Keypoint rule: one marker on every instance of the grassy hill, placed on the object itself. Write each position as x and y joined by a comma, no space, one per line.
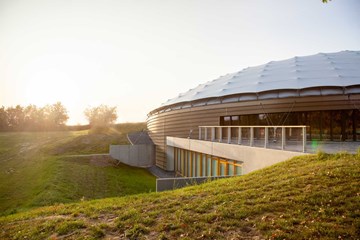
37,168
315,196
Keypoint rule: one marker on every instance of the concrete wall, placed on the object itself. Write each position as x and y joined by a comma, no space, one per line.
170,162
164,184
134,155
253,158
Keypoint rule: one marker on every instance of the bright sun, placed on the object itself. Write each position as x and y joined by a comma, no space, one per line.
49,86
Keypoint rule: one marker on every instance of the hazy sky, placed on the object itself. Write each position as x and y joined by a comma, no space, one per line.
137,54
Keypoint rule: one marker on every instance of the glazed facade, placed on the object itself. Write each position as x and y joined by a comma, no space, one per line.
327,125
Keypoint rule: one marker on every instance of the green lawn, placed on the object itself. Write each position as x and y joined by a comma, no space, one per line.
35,169
308,197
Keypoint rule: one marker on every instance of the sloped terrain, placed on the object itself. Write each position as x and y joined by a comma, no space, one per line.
309,197
46,168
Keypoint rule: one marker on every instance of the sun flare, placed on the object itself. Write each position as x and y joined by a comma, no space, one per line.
49,86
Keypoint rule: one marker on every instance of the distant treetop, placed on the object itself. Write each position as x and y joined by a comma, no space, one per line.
33,118
101,116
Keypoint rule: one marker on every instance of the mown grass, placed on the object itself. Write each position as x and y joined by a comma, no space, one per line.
308,197
36,170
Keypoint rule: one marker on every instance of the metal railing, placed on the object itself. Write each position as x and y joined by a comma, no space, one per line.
278,137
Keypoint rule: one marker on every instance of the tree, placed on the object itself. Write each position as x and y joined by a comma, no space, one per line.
56,115
3,119
101,116
15,117
34,118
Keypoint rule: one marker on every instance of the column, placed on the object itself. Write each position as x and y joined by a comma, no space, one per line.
220,134
266,137
229,135
213,134
283,138
251,136
239,137
304,138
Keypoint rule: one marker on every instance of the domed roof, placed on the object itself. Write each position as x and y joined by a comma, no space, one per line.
341,69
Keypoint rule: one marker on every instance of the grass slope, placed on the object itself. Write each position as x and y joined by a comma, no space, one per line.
36,172
315,196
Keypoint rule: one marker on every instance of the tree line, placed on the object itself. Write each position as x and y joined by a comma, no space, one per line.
33,118
51,117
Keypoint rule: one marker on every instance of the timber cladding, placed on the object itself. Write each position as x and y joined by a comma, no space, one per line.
184,123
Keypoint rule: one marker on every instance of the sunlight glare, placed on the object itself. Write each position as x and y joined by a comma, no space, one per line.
49,86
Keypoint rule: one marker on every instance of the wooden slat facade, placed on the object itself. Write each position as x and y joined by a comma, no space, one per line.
185,122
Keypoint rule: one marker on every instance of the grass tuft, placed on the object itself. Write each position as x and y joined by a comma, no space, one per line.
69,226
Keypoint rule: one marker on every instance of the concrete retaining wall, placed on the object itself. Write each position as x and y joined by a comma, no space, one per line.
134,155
164,184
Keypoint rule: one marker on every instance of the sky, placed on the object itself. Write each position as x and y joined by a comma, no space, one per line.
137,54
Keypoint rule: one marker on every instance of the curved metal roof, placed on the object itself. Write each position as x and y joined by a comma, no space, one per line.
341,69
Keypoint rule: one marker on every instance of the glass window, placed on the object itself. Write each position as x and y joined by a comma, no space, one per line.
203,156
179,160
214,167
223,168
315,125
176,160
198,165
183,162
231,168
235,121
244,120
208,159
189,164
227,121
336,125
275,118
326,125
194,164
186,163
237,170
253,119
293,119
349,125
263,119
357,124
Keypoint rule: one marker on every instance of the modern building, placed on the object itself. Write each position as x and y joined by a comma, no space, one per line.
217,127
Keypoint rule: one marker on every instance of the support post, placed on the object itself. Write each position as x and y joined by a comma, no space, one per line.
205,134
220,134
251,136
239,137
199,133
229,135
283,139
304,138
266,137
213,134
